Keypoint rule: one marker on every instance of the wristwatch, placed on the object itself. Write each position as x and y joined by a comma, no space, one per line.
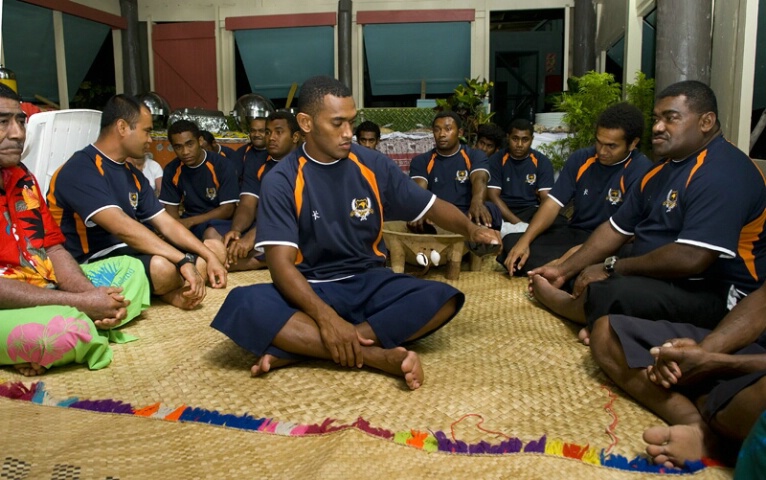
188,258
609,264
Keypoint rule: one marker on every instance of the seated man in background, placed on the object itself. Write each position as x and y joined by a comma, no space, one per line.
520,178
697,223
209,143
255,150
368,134
283,136
203,182
710,386
51,313
455,173
595,179
101,203
489,138
151,170
320,219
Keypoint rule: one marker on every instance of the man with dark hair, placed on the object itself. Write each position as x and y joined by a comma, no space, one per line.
209,143
595,180
320,220
520,178
203,182
52,312
283,135
697,223
368,134
101,204
455,173
489,138
255,150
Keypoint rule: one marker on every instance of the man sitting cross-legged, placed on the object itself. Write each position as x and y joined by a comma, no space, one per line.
320,221
203,182
101,203
282,137
710,386
51,313
697,219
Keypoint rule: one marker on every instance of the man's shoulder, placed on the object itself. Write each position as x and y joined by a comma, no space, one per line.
639,161
424,157
172,166
540,156
475,154
582,155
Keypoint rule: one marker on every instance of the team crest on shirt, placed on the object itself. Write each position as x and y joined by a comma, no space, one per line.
531,179
211,193
671,201
461,176
614,196
361,209
133,197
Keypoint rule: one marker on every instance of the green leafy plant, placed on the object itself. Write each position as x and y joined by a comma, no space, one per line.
588,96
468,102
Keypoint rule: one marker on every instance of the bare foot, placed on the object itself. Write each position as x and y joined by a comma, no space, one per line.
177,299
557,300
675,445
584,336
30,369
267,362
397,361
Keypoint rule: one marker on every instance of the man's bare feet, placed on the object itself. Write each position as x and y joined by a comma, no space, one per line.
557,300
675,445
267,362
31,369
584,336
177,299
397,361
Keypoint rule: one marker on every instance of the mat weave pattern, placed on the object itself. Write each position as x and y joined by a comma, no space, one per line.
503,365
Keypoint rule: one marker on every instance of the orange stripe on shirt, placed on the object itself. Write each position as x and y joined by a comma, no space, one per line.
212,172
700,161
100,164
505,158
369,175
260,171
59,213
82,233
431,163
534,159
651,173
748,236
177,175
584,167
300,184
466,158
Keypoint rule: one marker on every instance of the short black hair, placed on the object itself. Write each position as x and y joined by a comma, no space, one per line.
7,92
699,97
450,114
209,138
491,132
315,89
122,107
181,126
292,123
368,126
521,124
623,116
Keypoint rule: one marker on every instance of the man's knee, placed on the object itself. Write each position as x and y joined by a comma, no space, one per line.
216,246
164,275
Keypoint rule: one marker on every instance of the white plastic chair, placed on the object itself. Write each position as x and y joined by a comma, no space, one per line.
52,137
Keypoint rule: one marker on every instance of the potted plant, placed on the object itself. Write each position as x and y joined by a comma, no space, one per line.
469,102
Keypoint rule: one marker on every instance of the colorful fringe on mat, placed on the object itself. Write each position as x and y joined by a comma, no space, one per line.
426,440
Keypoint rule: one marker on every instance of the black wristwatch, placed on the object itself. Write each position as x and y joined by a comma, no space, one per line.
609,264
188,258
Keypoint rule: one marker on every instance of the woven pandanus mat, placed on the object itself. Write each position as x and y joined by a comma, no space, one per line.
504,376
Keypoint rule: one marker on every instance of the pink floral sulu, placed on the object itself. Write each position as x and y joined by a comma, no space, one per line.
46,344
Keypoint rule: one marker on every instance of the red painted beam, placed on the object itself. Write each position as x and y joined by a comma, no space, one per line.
415,16
78,10
281,21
